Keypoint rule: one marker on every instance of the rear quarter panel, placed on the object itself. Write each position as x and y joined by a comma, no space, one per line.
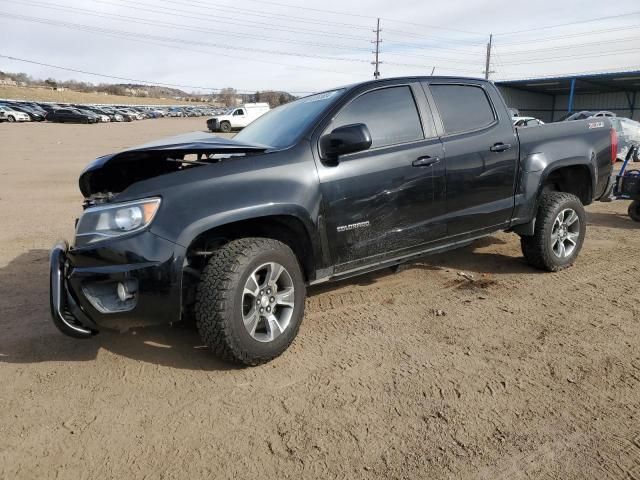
546,148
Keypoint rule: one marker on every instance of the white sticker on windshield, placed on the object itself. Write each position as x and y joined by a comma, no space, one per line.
320,96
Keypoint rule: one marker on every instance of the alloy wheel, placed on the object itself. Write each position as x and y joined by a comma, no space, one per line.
565,233
268,300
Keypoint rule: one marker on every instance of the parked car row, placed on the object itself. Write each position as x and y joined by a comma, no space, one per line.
25,111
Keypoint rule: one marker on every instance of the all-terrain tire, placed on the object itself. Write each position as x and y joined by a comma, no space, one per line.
225,127
538,248
219,300
634,210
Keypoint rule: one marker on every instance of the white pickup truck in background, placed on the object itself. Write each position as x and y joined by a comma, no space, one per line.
237,118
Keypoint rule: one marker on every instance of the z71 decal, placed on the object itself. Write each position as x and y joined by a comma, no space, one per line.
596,125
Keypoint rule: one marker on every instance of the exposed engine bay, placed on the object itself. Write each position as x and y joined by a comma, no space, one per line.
112,174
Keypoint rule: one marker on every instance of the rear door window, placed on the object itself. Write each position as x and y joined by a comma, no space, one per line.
390,114
463,108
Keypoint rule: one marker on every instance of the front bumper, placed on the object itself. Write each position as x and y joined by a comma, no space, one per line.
65,312
80,276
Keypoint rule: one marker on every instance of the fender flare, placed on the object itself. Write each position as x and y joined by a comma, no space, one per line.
220,219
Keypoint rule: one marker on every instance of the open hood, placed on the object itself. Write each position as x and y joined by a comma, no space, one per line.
113,173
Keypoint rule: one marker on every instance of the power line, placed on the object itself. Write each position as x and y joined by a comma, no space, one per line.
350,14
571,35
183,48
425,57
223,46
235,21
135,80
157,23
566,47
564,57
157,38
422,46
590,20
254,13
262,24
207,13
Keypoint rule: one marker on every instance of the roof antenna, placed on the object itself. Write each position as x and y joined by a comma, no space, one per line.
433,70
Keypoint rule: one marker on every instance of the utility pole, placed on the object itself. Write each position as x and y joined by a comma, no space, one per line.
377,42
487,67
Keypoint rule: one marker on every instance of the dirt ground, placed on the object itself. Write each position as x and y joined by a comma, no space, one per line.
513,374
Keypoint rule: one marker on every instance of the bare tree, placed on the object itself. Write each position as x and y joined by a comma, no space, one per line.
228,96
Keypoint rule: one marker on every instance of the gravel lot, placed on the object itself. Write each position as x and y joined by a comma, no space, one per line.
423,373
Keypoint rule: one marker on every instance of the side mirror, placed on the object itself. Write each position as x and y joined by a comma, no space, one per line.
347,139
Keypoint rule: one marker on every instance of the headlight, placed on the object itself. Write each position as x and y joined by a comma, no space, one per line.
108,221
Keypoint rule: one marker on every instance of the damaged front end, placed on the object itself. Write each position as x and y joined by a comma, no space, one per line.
118,274
112,174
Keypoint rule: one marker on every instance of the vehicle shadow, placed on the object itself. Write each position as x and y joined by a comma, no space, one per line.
612,220
29,336
467,259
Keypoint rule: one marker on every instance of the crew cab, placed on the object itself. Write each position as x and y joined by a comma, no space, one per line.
230,232
237,118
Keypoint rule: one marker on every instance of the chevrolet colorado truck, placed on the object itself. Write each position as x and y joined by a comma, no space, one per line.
372,175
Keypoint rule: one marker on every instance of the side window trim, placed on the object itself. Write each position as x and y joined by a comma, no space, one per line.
325,129
445,134
425,112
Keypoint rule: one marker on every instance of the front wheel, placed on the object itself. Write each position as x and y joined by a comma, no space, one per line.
250,300
11,118
634,210
559,232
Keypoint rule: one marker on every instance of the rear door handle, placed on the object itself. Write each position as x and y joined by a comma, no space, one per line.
425,161
500,147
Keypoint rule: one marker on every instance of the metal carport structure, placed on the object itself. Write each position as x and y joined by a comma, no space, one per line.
550,98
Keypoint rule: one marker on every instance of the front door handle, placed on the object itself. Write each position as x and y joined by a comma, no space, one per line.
500,147
425,161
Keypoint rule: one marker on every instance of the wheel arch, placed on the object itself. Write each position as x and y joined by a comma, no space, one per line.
572,175
575,178
293,230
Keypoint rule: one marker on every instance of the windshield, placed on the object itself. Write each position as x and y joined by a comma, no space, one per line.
281,126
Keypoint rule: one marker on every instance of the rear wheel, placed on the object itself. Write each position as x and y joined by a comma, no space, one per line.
634,210
559,232
225,127
250,300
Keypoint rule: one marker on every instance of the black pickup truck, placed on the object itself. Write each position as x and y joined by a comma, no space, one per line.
231,231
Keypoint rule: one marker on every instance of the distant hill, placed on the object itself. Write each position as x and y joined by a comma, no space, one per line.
226,96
